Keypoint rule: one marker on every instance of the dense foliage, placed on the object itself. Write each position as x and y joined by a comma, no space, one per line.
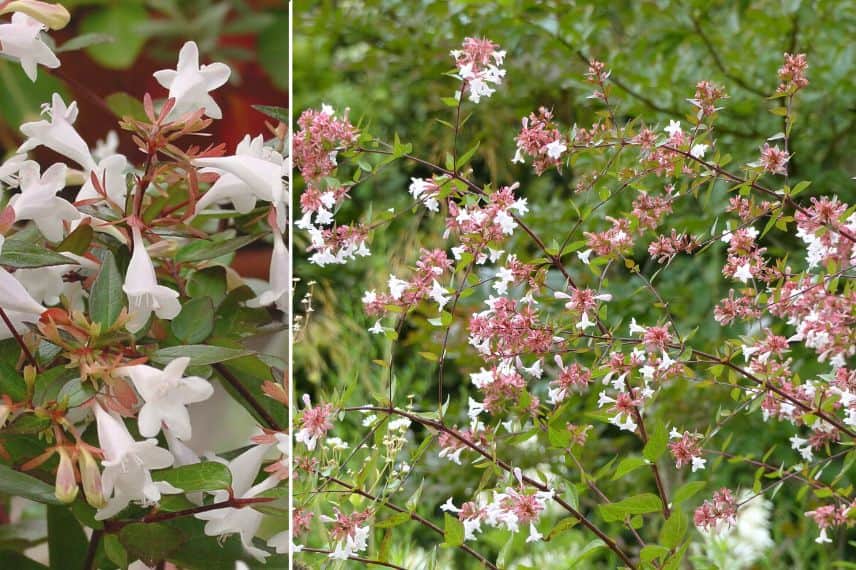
637,347
123,317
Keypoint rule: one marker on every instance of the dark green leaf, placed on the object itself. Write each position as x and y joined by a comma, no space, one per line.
122,22
24,255
658,438
22,485
152,542
278,113
674,529
206,476
84,41
202,250
195,321
687,491
77,242
107,298
67,543
200,354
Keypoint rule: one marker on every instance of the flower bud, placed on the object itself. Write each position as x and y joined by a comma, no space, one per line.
66,484
90,476
5,410
54,16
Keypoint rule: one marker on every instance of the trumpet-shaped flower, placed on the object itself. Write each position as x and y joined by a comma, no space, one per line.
144,294
9,170
127,464
47,284
253,172
18,304
189,83
38,200
280,277
110,173
21,39
166,393
58,134
245,522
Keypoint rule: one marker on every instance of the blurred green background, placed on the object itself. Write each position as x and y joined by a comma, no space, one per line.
385,61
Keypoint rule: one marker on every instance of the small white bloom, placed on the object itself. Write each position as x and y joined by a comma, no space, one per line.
397,287
584,256
21,39
189,83
38,200
744,272
439,295
126,464
280,277
144,294
556,149
698,150
166,394
377,328
673,128
58,134
110,173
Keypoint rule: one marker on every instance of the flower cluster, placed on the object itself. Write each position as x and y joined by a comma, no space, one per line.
479,63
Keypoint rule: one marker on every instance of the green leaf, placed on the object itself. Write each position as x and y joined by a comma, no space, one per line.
636,505
201,250
107,298
205,476
22,485
562,526
77,242
25,255
395,520
278,113
674,529
11,383
125,105
115,551
465,158
85,41
195,321
200,354
208,282
122,23
627,465
652,552
151,542
687,491
587,551
453,531
658,438
67,544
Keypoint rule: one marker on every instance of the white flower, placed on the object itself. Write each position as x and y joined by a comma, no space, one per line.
21,39
189,83
438,294
144,293
126,464
253,172
110,173
166,393
698,150
279,542
47,284
9,169
397,287
556,149
245,522
744,272
534,535
38,200
673,128
584,256
377,328
636,329
106,146
58,135
280,277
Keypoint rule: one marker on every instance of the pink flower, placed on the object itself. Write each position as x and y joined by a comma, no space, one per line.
315,423
774,160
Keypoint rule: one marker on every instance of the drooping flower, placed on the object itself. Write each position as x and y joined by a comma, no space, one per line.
253,172
245,522
127,464
14,298
144,294
189,83
58,134
280,277
48,284
166,394
21,39
38,200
